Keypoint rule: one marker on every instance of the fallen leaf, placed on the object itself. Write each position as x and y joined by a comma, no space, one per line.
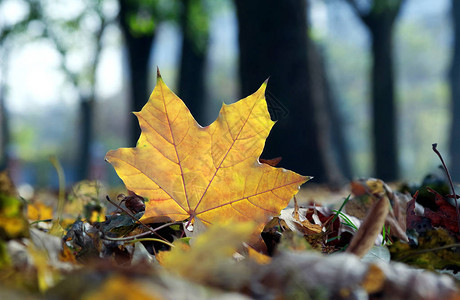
258,257
370,228
121,287
374,280
445,216
39,211
301,219
13,222
441,214
211,173
376,254
6,185
210,254
367,192
299,223
314,276
271,162
436,249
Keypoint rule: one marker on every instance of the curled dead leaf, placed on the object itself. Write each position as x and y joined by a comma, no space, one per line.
370,228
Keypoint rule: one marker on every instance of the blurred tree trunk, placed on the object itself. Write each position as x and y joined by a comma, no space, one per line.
4,132
454,77
138,45
380,19
195,36
87,103
8,31
86,137
330,121
273,41
85,84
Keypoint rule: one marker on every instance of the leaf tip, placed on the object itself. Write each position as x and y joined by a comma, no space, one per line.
158,73
107,156
307,178
264,85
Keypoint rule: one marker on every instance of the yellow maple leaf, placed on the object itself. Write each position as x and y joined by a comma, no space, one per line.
212,173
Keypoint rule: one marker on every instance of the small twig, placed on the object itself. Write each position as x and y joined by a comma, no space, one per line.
39,221
152,240
450,182
136,219
126,238
135,239
61,177
422,251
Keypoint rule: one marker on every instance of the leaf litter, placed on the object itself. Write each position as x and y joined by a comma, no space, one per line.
246,242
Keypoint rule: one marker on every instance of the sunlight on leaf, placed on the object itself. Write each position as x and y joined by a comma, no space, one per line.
211,173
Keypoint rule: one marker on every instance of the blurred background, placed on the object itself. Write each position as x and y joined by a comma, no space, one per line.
358,87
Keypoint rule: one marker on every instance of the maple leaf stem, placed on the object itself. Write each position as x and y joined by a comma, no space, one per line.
134,218
186,226
434,146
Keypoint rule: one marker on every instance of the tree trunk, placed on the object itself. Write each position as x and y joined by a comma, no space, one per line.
380,19
4,128
138,48
193,60
455,95
324,106
86,138
273,43
339,158
383,101
3,132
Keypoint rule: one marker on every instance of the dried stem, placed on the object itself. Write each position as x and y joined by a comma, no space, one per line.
150,229
137,238
428,250
133,237
450,183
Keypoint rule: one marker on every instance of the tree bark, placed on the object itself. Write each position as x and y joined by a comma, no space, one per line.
86,137
3,132
454,77
321,98
330,121
273,42
138,49
380,20
383,105
193,59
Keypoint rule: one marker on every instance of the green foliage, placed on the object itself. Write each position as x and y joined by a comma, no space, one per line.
143,16
382,6
197,29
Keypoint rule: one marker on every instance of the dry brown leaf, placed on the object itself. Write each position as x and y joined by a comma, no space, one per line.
370,228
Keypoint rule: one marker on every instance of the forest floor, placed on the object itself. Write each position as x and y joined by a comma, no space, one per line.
78,245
